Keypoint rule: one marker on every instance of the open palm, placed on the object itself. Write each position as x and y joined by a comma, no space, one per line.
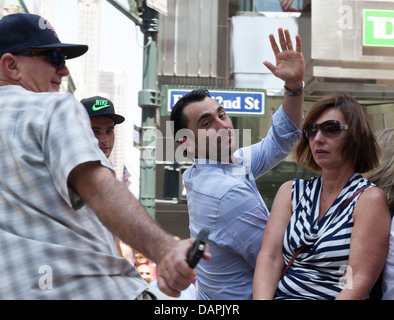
290,64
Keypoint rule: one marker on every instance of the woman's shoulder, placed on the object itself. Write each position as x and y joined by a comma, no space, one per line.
373,193
372,203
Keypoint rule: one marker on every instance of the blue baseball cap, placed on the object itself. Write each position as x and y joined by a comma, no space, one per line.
22,31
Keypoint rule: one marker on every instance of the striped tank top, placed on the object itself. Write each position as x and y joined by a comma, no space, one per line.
318,271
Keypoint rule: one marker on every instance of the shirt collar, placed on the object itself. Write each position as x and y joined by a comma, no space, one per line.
234,168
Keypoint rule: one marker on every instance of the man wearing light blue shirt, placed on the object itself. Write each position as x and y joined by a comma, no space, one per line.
221,190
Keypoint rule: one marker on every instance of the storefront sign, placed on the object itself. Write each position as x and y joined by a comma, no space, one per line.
378,29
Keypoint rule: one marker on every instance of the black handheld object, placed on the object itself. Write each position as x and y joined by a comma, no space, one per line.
197,250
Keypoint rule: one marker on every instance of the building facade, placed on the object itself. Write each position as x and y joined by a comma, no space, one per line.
87,68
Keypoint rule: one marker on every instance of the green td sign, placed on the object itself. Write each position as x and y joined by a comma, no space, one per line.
378,28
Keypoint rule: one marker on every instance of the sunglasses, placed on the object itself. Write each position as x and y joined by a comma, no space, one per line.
57,58
330,129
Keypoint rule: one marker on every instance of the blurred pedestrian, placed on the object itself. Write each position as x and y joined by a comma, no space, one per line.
146,272
383,177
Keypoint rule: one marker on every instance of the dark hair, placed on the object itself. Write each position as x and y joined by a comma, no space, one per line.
360,144
177,115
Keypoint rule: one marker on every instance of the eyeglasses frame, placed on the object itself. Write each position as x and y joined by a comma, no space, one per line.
319,127
56,58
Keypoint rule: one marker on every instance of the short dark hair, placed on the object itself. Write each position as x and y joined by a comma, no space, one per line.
177,115
360,144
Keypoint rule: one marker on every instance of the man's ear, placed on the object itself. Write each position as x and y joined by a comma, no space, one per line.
10,67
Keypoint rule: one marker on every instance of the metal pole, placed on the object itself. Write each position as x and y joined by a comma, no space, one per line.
129,14
149,99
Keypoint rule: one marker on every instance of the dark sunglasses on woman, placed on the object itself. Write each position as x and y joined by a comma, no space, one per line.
329,128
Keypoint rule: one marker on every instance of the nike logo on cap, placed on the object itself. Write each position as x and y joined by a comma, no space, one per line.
100,104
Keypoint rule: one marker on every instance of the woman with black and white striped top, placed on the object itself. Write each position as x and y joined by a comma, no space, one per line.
317,244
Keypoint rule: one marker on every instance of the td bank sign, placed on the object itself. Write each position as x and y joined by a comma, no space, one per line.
378,28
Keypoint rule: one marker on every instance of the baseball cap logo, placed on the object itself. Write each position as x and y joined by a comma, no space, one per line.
44,24
100,104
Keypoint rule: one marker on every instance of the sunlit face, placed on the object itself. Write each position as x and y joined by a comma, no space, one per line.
327,152
212,129
104,131
39,75
140,258
146,272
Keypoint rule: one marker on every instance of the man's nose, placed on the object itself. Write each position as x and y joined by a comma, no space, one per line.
64,72
223,124
105,139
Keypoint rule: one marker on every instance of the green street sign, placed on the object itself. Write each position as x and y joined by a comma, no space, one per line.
378,28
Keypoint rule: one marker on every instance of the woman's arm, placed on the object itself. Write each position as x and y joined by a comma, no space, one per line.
270,262
368,244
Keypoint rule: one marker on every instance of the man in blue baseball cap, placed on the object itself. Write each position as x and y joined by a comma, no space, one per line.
30,39
51,167
29,31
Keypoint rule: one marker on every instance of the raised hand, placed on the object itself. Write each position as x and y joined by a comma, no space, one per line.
290,64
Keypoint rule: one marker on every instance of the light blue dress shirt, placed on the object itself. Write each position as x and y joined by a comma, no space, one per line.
223,198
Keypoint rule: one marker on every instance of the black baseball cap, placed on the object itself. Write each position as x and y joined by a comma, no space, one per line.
22,31
103,107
